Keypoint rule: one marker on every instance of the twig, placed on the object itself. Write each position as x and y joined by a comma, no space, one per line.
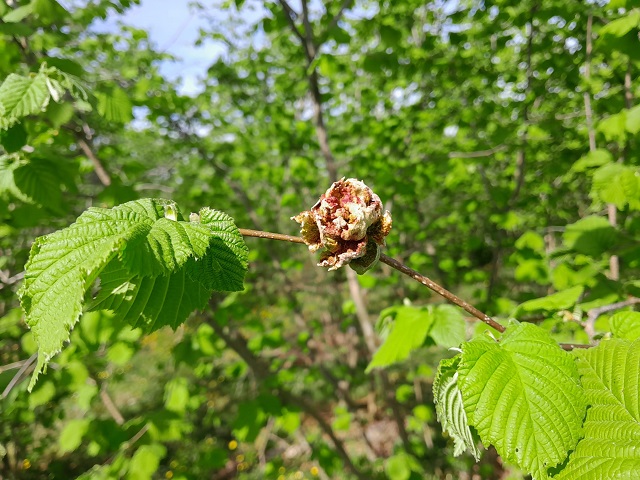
102,174
336,18
291,15
426,281
594,313
14,365
479,153
238,344
110,405
273,236
19,375
310,50
128,444
6,280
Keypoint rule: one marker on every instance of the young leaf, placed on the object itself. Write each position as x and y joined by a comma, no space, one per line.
609,449
115,105
409,332
450,410
591,235
523,396
448,329
556,301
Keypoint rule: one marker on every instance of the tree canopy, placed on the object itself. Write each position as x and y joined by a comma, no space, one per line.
139,340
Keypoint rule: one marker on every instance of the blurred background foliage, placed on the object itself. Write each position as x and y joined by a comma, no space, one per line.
502,136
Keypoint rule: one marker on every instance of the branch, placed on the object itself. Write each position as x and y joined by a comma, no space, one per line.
336,18
291,16
308,32
6,280
479,153
102,174
594,313
110,405
23,372
426,281
238,344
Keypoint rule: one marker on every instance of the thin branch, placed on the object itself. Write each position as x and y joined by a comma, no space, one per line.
102,174
291,16
479,153
5,280
110,405
14,365
588,110
19,375
426,281
273,236
628,92
129,443
308,32
594,313
239,345
337,17
310,50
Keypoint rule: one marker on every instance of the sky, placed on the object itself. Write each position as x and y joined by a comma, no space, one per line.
172,27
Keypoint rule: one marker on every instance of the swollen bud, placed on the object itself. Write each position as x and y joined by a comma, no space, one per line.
347,224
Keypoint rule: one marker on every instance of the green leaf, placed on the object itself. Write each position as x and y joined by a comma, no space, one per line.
606,184
38,181
409,332
609,449
22,96
149,303
18,14
115,105
72,433
622,25
450,410
14,138
596,158
225,264
146,254
523,396
176,395
591,236
633,120
449,328
625,325
400,466
613,127
49,11
145,462
556,301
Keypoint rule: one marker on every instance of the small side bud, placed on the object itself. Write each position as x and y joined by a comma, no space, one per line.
194,217
171,212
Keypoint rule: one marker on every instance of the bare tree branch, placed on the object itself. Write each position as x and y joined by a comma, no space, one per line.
20,374
426,281
594,314
291,16
110,405
346,4
101,172
238,344
479,153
